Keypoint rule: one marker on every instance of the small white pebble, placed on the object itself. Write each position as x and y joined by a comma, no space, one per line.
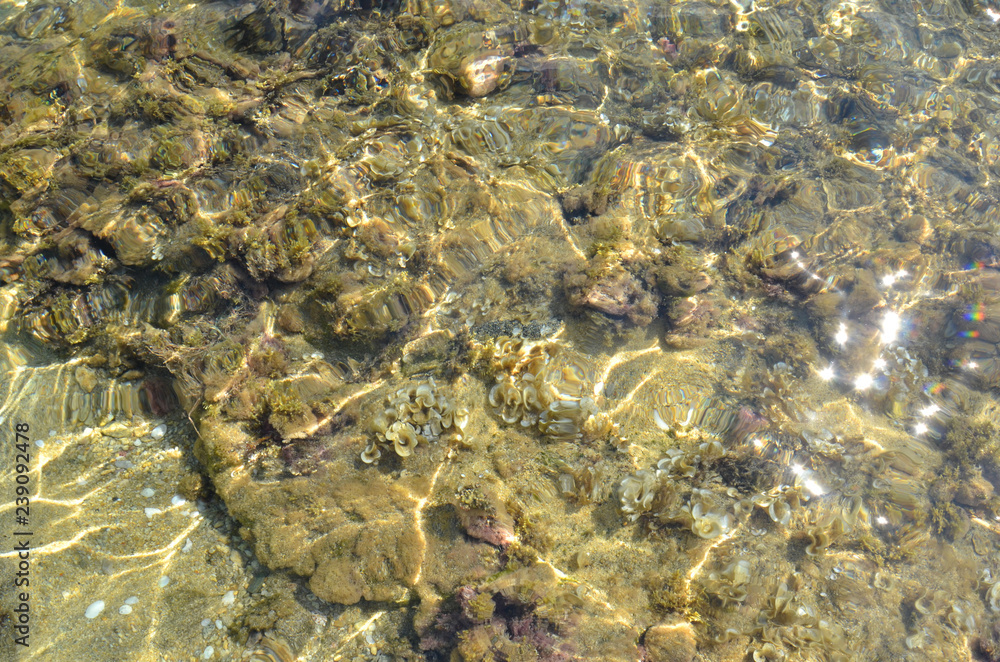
133,600
218,624
125,610
152,511
158,432
39,443
164,581
209,652
52,433
187,545
178,500
206,622
137,442
229,598
87,431
147,492
94,609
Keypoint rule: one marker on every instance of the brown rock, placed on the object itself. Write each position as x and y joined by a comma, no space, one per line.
290,319
86,378
670,642
481,74
618,293
865,294
974,491
191,486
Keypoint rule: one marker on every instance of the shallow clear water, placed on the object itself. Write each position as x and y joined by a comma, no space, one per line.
491,331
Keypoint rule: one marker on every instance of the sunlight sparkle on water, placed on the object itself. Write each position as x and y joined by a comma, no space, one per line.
889,280
890,326
841,336
863,382
814,488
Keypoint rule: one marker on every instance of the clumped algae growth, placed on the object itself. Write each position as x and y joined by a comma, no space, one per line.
555,330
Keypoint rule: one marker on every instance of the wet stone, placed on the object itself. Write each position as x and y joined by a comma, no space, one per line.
670,642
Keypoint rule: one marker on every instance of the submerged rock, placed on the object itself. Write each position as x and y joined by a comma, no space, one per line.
670,642
429,277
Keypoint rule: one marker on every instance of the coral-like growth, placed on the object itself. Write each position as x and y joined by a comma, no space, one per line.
656,496
582,485
780,397
415,414
729,585
779,503
519,616
545,385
